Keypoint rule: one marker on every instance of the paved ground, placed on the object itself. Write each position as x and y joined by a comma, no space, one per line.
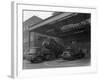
56,63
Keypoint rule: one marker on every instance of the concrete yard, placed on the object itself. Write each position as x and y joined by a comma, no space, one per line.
56,63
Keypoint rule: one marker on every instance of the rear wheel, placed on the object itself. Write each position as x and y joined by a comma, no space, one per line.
36,60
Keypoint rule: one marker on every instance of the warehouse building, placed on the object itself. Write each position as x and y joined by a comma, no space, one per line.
68,29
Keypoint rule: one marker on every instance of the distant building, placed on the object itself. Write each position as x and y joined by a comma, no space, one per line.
26,25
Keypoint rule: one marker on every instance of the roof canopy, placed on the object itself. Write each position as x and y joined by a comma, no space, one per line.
63,24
